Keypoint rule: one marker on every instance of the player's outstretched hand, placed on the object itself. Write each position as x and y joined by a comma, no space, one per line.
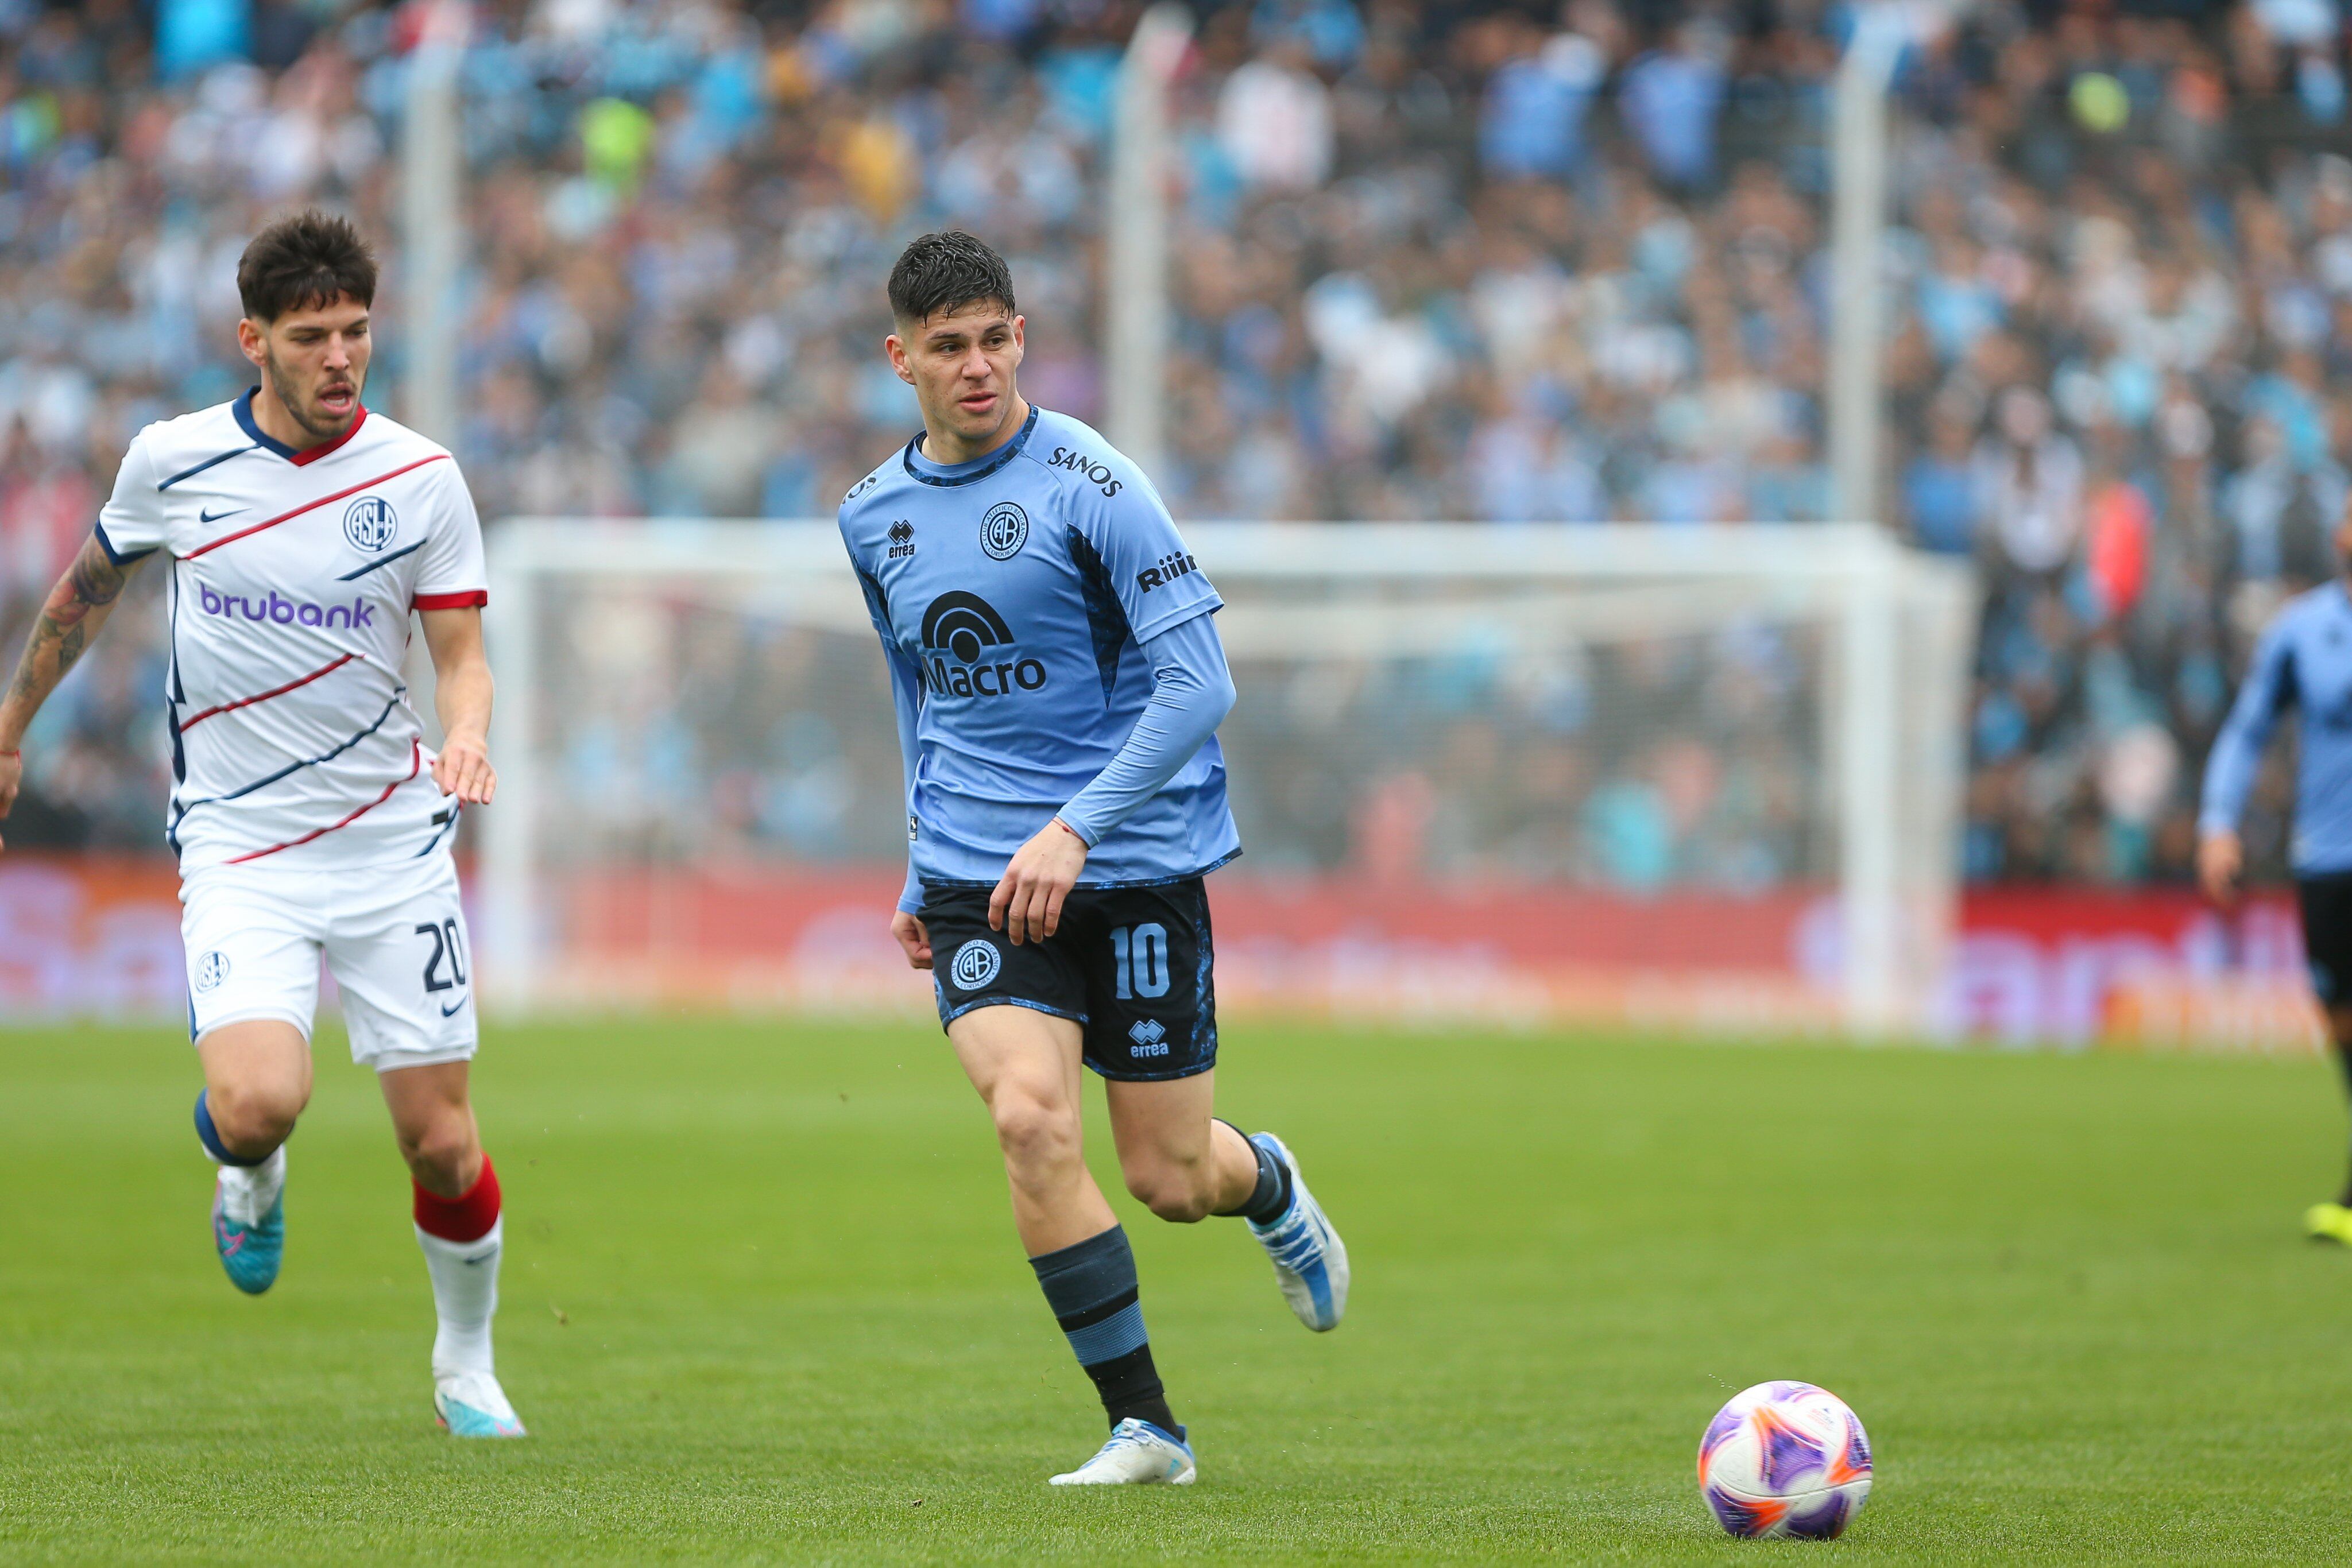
1028,902
463,769
913,939
12,776
2219,860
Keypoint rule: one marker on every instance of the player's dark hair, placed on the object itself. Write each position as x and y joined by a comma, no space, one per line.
947,271
302,261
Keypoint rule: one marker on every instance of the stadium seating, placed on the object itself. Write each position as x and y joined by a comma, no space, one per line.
1469,262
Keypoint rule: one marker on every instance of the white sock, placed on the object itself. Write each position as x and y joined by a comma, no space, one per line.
248,1191
465,1295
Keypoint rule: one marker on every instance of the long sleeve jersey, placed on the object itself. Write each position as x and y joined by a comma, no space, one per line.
2304,661
1051,653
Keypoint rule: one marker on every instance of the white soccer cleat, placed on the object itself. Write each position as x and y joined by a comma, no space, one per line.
1138,1454
1310,1261
472,1405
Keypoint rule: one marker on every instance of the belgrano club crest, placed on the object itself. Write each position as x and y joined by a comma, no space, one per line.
1003,530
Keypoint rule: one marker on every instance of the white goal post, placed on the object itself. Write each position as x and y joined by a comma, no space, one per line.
1749,711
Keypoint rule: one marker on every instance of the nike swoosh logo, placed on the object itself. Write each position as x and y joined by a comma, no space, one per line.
451,1010
204,517
483,1258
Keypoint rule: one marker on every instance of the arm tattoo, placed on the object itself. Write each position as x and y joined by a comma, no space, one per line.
60,634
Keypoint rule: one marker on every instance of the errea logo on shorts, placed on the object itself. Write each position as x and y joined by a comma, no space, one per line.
208,972
975,963
1150,1037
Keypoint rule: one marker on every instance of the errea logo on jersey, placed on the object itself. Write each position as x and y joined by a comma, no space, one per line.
967,626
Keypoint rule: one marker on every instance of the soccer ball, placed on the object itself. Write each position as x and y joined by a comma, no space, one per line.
1784,1459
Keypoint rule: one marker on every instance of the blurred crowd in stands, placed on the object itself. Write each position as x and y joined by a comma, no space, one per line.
1510,263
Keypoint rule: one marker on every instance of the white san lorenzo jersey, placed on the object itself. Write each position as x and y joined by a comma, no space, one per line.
292,575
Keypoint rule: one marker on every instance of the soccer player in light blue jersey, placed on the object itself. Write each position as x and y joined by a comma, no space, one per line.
1058,682
2304,660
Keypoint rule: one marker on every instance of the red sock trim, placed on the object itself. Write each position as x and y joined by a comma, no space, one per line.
467,1217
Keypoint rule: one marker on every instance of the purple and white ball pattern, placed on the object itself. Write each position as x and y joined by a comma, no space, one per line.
1784,1459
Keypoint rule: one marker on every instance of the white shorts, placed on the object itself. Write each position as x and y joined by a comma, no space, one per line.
392,936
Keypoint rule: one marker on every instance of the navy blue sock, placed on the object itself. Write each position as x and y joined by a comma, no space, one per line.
209,1135
1270,1199
1092,1290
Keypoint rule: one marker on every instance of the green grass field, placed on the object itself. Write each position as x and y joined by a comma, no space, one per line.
764,1302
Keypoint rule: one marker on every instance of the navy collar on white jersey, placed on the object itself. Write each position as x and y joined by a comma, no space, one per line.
268,442
921,468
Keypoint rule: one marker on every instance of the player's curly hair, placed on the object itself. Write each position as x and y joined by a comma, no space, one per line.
304,260
947,271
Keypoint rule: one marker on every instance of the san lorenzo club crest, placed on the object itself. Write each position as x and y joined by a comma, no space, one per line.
976,963
1005,530
370,523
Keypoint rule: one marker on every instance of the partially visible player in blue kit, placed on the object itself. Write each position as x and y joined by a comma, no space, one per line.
1059,682
2304,661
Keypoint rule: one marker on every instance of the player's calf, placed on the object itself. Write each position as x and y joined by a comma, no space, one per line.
1092,1292
460,1228
248,1218
257,1082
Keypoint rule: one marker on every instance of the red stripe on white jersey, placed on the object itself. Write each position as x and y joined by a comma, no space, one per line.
187,725
312,453
471,598
313,506
415,765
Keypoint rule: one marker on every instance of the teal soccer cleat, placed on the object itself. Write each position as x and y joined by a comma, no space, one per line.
250,1253
1310,1261
472,1405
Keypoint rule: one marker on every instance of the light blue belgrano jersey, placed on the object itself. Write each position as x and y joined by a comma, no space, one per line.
2303,661
1012,594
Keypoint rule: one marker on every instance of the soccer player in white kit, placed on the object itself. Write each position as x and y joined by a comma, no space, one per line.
310,819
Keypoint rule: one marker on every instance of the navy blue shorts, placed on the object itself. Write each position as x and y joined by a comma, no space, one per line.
2326,907
1130,964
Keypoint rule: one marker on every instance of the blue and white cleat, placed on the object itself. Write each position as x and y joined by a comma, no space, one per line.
1310,1261
1138,1454
472,1405
251,1248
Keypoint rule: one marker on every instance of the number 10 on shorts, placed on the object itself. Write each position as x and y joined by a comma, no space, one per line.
1138,960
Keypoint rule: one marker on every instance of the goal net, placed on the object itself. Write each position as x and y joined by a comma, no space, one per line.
1703,777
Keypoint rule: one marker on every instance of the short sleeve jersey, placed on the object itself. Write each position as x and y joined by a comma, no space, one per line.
1019,586
291,578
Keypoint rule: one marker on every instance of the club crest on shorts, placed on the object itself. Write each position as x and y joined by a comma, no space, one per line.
1003,530
370,523
975,963
210,971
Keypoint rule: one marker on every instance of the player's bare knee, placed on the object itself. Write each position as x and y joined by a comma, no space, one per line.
254,1116
1176,1193
1034,1132
439,1152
